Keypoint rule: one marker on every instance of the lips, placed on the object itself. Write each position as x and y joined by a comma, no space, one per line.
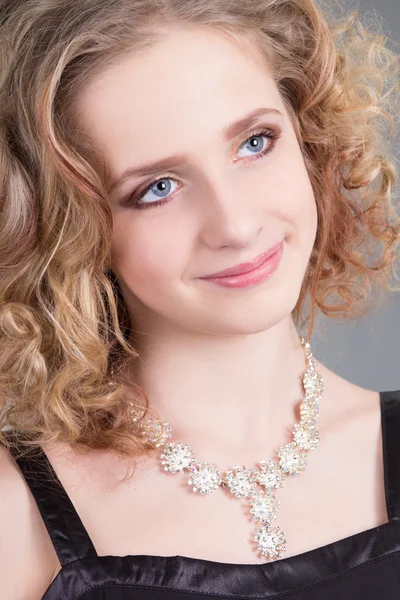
247,266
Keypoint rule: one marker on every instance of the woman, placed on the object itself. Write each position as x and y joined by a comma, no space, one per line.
148,146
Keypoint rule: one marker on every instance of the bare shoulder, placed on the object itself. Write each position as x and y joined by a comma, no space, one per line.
25,546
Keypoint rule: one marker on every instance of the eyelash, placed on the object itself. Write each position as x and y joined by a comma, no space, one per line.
133,199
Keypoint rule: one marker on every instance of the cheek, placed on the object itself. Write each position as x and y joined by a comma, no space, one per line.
142,256
293,193
302,208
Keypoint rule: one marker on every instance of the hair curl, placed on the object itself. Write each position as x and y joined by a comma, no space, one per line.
63,321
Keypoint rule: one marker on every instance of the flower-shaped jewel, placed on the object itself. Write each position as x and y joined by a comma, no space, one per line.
270,475
264,506
313,383
292,459
155,432
306,436
176,457
241,481
271,541
205,478
309,410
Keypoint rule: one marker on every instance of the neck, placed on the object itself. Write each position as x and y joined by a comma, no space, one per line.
229,398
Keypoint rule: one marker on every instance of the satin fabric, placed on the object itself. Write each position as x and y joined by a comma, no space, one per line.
364,566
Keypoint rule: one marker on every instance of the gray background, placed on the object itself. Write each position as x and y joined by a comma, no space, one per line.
366,352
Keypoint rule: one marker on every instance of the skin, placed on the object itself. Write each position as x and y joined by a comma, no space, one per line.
223,366
227,205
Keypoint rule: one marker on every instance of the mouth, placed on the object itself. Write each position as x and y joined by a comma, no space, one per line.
246,267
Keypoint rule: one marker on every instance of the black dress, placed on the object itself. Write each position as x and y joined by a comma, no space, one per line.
364,566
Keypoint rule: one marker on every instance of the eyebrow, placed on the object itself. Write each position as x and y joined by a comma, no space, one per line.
177,160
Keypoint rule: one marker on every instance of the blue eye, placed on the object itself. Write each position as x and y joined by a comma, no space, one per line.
162,188
258,146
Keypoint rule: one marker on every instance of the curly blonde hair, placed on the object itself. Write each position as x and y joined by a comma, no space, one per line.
63,321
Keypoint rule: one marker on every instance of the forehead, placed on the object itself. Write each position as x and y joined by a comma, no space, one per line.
191,82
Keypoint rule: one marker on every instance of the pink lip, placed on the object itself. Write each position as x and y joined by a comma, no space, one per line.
253,277
247,266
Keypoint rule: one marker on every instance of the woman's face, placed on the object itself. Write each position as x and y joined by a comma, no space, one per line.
226,198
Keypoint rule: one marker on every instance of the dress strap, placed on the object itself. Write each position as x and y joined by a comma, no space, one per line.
390,412
66,530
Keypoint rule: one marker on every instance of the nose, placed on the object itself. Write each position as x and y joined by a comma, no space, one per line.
230,216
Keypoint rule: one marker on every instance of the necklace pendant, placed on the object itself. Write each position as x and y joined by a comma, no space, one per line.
264,506
271,541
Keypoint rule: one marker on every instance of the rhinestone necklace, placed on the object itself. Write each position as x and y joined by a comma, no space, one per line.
256,485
